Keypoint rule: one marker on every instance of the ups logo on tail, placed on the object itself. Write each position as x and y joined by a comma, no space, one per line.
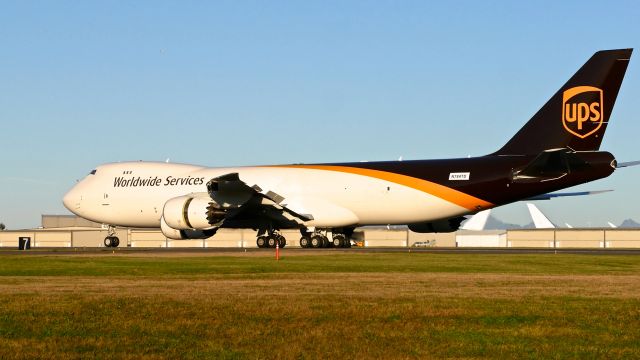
582,110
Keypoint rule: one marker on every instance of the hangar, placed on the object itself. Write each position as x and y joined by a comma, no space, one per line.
72,231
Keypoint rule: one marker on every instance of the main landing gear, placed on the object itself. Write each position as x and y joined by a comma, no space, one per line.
271,239
319,239
111,240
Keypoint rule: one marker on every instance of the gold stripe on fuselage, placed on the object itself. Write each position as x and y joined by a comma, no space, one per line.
454,196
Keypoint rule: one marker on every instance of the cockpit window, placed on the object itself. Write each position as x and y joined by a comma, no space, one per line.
93,172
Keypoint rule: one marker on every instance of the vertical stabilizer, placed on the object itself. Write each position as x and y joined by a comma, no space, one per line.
539,220
577,115
478,221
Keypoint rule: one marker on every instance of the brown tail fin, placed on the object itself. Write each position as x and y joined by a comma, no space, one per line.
576,116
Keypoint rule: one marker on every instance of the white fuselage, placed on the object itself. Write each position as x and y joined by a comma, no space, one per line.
134,193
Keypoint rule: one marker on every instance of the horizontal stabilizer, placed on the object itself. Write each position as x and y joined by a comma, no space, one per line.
627,164
556,195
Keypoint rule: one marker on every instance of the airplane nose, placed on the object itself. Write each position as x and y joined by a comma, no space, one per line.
71,200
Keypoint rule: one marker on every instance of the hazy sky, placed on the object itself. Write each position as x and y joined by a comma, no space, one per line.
238,83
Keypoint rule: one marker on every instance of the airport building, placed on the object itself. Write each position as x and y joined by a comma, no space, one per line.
72,231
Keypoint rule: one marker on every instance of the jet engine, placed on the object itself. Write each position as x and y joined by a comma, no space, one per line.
193,211
439,226
175,234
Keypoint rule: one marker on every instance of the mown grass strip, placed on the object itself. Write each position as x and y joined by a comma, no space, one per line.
318,327
307,307
107,265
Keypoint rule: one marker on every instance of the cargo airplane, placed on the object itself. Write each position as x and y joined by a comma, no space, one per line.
556,149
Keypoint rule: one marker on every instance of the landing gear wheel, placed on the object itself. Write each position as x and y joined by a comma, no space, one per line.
338,241
325,242
305,242
271,241
282,242
261,241
111,240
317,241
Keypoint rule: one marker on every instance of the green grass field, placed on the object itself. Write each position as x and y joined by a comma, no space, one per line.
346,305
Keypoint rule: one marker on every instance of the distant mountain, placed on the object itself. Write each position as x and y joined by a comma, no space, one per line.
629,223
497,224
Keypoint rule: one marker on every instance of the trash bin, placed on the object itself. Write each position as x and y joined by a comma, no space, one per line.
24,243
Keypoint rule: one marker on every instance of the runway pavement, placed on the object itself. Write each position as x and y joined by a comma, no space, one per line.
298,251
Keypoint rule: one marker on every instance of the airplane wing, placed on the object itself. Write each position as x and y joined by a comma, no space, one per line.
627,164
549,196
244,201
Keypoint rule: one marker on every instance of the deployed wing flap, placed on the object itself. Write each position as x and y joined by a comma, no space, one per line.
283,211
229,189
231,192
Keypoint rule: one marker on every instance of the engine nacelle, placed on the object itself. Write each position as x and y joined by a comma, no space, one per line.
187,212
176,234
446,225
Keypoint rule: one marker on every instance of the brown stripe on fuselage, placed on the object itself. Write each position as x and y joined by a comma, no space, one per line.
454,196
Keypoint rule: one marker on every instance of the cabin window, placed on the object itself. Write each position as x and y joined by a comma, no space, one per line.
93,172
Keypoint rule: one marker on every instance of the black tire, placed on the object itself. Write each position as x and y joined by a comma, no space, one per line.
326,243
271,241
261,241
338,241
317,241
282,242
108,241
305,242
115,242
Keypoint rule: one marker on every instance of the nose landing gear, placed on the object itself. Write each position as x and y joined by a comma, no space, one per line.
111,240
